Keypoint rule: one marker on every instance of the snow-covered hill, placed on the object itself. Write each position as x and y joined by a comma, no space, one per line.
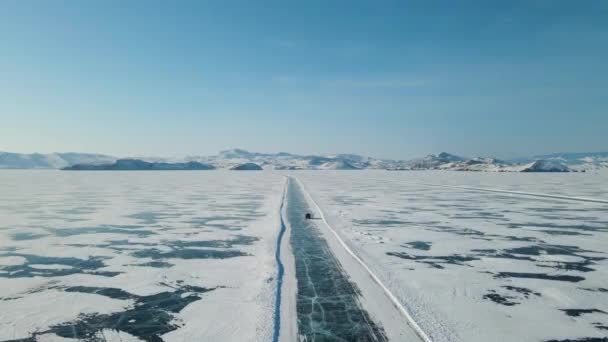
577,161
139,165
287,161
446,161
432,162
338,165
544,166
50,161
247,167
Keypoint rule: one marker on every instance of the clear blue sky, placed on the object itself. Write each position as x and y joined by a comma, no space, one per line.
394,79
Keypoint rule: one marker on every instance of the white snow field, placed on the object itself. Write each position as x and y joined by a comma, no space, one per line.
133,256
190,255
472,265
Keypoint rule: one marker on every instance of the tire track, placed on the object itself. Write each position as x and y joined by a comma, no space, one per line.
520,193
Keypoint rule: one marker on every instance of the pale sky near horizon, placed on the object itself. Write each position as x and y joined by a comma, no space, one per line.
394,79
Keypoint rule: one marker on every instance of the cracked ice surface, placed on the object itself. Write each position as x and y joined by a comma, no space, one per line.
328,306
153,256
479,266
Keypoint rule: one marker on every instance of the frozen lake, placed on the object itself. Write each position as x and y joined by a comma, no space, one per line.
182,256
480,266
173,256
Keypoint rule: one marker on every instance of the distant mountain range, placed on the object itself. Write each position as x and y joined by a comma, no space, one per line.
241,159
588,160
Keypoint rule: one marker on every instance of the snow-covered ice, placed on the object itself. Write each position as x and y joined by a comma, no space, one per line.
479,266
182,256
188,256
